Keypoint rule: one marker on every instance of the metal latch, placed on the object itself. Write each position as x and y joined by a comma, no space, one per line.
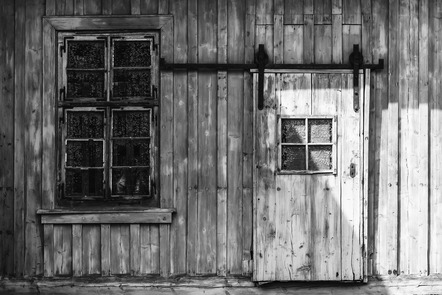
352,170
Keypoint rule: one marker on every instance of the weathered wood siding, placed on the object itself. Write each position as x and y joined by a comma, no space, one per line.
207,134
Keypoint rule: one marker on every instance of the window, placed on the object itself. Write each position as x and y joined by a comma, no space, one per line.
107,111
307,145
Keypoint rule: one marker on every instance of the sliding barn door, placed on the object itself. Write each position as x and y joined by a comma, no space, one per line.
309,192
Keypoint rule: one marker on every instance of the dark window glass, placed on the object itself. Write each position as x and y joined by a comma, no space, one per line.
131,124
320,158
84,153
86,54
132,54
85,124
293,157
130,153
84,182
130,181
132,83
320,130
293,130
86,84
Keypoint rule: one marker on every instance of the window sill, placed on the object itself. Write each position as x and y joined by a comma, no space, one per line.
157,215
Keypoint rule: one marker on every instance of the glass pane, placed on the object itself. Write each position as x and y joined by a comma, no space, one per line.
293,157
85,124
84,153
130,153
85,84
89,180
320,158
131,123
86,54
129,83
130,181
293,130
320,130
132,54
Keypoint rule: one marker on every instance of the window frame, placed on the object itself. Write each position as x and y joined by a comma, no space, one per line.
106,104
333,144
51,26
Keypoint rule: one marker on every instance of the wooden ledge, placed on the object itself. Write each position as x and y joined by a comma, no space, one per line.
159,215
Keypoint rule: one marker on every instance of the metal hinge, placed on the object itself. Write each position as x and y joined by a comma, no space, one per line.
154,92
62,93
356,60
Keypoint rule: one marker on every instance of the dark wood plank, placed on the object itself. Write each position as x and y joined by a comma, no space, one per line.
105,250
77,250
7,60
351,12
92,7
69,7
33,136
62,250
235,114
264,12
19,138
179,223
135,249
163,7
149,6
48,250
60,7
79,7
135,7
50,7
120,7
207,91
293,12
308,44
192,132
323,11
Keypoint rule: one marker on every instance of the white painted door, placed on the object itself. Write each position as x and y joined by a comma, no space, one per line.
310,163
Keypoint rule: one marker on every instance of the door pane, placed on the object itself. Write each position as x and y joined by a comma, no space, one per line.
293,131
293,157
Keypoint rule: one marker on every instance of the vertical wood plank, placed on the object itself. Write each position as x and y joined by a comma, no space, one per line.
155,248
435,70
7,139
293,12
60,7
135,249
93,7
166,144
351,12
19,137
264,12
105,250
308,6
207,88
77,250
351,35
145,250
366,38
33,136
336,39
48,250
91,250
192,131
308,43
323,44
221,227
163,7
379,138
247,143
50,7
366,7
69,7
62,251
264,35
235,109
149,6
135,7
120,7
323,11
337,6
119,248
293,44
278,39
106,7
179,223
423,114
79,7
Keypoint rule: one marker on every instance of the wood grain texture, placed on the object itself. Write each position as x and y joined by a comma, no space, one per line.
149,6
33,137
337,39
120,7
351,34
135,249
323,44
62,250
48,250
77,250
308,43
19,137
106,217
7,140
351,12
293,12
91,250
293,44
264,12
93,7
105,249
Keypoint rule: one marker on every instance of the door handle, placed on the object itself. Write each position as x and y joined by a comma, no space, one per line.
352,170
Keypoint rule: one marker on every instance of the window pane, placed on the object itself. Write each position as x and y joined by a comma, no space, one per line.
85,84
320,130
132,54
130,83
320,158
131,124
130,153
85,124
293,130
84,153
293,157
86,54
126,181
91,181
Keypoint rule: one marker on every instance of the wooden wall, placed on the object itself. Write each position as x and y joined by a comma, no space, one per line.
207,133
